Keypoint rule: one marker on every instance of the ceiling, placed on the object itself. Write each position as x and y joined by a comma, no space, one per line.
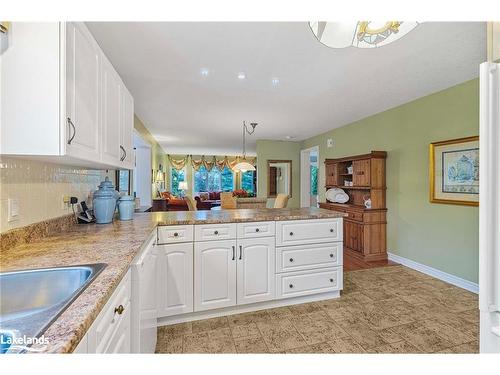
319,88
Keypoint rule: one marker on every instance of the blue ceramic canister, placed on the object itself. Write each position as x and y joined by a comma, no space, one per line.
126,207
104,202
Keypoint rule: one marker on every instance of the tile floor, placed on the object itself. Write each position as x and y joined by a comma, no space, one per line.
381,310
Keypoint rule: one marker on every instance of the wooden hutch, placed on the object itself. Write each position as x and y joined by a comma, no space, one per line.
364,228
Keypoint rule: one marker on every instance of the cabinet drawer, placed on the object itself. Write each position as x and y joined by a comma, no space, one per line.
175,234
103,330
302,257
302,283
298,232
210,232
256,229
354,215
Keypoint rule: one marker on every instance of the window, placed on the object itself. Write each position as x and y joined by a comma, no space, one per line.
248,181
214,180
176,176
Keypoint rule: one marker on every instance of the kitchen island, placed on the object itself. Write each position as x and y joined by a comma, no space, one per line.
305,233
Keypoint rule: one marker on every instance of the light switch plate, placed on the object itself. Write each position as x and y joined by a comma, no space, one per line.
329,142
13,205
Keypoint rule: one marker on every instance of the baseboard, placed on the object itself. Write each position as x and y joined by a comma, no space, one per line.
449,278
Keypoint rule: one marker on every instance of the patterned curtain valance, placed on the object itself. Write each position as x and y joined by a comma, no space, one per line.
178,163
208,162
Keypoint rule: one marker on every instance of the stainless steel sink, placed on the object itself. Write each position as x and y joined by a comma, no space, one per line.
30,300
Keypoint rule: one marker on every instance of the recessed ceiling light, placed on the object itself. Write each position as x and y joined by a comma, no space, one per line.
242,75
204,72
275,81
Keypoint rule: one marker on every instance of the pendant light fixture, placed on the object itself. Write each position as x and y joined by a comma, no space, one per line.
362,34
243,165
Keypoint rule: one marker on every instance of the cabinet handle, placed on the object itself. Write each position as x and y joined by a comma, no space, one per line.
119,309
124,153
290,286
234,252
331,230
331,280
70,123
291,260
176,234
331,255
291,233
257,229
216,232
241,252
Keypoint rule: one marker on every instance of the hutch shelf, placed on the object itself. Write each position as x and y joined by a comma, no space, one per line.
361,177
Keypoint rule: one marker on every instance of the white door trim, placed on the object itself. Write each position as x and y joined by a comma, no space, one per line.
305,175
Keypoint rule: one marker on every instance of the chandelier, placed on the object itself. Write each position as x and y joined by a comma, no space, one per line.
243,165
362,34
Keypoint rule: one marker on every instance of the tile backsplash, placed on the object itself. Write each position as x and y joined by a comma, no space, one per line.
39,188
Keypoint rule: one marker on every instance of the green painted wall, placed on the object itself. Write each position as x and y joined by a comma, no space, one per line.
278,150
438,235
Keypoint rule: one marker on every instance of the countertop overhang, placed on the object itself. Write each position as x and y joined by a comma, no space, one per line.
117,244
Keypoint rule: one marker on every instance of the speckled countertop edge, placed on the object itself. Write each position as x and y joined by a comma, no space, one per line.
117,244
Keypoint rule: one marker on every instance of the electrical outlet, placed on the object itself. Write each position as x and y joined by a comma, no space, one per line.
13,206
65,202
329,143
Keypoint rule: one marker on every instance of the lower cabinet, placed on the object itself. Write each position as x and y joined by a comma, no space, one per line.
110,332
215,274
255,270
175,279
227,273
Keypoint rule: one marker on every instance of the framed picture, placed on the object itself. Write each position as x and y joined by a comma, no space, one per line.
454,171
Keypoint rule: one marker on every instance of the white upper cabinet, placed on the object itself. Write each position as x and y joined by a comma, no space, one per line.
126,130
62,100
82,93
111,85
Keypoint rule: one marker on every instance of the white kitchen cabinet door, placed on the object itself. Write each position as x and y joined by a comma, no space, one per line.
120,342
256,269
126,130
82,93
214,274
111,115
175,279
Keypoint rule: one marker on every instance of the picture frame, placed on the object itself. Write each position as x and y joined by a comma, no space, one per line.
454,171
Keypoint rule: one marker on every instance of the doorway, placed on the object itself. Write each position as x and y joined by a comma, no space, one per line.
309,177
142,171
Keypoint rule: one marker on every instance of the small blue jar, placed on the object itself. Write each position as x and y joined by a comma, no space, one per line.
104,202
126,207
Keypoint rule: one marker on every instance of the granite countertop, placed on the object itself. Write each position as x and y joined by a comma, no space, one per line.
116,245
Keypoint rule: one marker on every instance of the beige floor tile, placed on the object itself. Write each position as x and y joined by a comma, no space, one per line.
422,337
467,348
253,344
251,317
280,313
209,324
175,329
362,333
245,330
317,327
172,346
280,335
346,345
217,341
449,333
304,308
397,347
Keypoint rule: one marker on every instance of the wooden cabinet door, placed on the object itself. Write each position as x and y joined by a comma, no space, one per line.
214,274
175,279
82,93
352,235
255,270
361,172
111,114
126,129
331,171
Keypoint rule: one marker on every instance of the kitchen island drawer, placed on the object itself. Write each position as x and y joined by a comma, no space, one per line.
301,283
303,257
212,232
256,229
175,234
299,232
